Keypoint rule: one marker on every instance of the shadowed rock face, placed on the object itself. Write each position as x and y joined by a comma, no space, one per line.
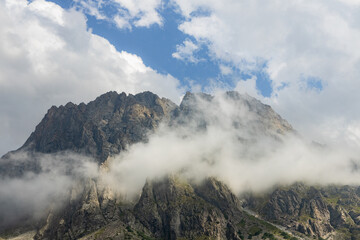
168,208
172,208
103,127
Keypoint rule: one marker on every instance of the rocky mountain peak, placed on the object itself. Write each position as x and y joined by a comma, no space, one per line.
110,123
100,128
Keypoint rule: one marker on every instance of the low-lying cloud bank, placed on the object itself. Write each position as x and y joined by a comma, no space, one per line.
239,147
258,166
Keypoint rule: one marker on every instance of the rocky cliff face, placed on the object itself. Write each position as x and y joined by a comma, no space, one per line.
176,209
168,208
173,208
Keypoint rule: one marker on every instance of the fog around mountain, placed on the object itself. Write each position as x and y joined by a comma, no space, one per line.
232,137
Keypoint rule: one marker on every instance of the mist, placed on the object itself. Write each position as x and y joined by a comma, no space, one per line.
31,196
238,142
232,137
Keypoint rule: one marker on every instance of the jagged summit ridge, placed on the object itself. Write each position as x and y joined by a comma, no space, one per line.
110,123
100,128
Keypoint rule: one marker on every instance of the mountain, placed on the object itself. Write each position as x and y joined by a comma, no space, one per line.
170,206
103,127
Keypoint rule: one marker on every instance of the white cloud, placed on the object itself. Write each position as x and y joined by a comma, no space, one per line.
351,2
47,57
225,70
137,13
122,22
186,51
91,7
248,86
30,196
237,146
294,39
144,11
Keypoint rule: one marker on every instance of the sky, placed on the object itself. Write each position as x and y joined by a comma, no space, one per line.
302,57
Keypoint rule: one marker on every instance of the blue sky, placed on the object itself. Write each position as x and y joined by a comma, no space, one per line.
156,44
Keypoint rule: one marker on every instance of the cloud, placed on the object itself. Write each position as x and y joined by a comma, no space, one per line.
48,57
92,8
225,70
30,197
289,40
128,13
248,86
351,2
122,22
186,51
231,137
236,142
285,40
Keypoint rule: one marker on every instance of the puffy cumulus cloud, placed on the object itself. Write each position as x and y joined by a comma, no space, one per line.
128,13
296,41
48,57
